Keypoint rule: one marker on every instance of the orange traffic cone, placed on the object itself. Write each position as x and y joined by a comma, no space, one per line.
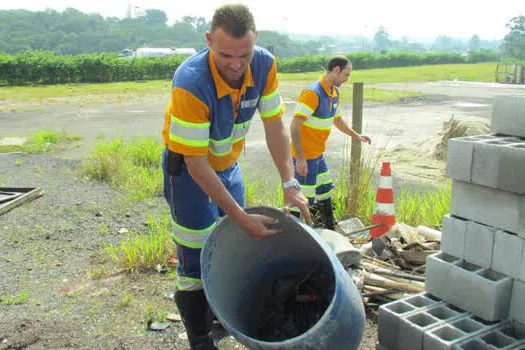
384,212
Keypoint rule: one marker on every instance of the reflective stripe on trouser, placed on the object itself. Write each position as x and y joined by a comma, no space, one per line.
317,184
195,216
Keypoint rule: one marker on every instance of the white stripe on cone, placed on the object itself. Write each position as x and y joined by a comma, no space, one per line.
385,182
385,209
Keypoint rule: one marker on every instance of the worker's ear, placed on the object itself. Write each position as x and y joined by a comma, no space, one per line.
208,39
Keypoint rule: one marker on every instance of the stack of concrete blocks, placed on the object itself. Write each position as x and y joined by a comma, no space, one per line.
477,281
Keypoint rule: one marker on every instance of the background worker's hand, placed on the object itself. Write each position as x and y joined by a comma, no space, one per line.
301,167
366,139
294,198
257,226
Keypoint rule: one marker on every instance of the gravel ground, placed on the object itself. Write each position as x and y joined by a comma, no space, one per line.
53,248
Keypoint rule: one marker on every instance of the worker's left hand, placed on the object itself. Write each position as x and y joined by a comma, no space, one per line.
366,139
294,198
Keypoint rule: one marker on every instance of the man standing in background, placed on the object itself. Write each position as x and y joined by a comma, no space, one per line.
316,111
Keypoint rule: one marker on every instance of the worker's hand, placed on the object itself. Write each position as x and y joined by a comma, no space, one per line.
301,166
365,138
257,226
294,198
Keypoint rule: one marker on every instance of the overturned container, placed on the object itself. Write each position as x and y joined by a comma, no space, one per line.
288,291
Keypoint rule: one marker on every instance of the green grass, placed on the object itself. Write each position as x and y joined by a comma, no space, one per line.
16,300
15,98
41,142
125,300
132,167
86,91
355,196
292,83
135,169
421,207
483,72
144,251
262,194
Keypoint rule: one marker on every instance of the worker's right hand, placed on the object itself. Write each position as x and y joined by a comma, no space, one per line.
256,226
302,166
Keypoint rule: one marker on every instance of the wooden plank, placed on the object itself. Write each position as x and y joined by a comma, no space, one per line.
29,195
357,125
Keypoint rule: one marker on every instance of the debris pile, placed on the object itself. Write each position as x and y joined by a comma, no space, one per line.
393,266
295,305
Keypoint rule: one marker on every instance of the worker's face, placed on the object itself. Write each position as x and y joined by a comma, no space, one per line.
232,55
343,75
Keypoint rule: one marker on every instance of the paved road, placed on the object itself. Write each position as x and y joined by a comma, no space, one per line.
401,123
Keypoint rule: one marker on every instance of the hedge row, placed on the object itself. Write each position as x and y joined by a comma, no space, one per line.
41,67
396,59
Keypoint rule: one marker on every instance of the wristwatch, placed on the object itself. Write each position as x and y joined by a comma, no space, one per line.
292,183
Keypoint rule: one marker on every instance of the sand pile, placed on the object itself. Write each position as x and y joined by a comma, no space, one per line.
460,127
425,161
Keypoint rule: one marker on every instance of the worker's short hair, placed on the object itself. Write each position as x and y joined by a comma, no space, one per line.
234,19
338,61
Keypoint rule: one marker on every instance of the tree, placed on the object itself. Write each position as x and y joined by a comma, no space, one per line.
444,43
382,40
475,43
514,41
156,17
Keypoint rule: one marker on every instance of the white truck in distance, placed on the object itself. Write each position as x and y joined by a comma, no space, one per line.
143,52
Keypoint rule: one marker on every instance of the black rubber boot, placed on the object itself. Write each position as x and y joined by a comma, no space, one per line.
327,213
315,215
197,318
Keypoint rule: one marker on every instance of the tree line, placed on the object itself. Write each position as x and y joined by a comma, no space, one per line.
73,32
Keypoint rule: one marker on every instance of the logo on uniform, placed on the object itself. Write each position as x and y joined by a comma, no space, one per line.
250,103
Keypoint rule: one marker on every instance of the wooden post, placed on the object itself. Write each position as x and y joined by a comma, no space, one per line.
357,125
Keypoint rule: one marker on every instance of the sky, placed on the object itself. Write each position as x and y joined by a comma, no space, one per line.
414,19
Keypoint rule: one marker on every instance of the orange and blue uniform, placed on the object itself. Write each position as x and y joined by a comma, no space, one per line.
206,117
319,107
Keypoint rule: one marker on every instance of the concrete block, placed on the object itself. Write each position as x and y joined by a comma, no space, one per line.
412,328
485,169
423,301
507,335
479,243
391,313
492,161
512,168
508,115
381,347
439,272
489,206
483,292
521,273
507,254
446,336
517,303
453,235
459,158
389,316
